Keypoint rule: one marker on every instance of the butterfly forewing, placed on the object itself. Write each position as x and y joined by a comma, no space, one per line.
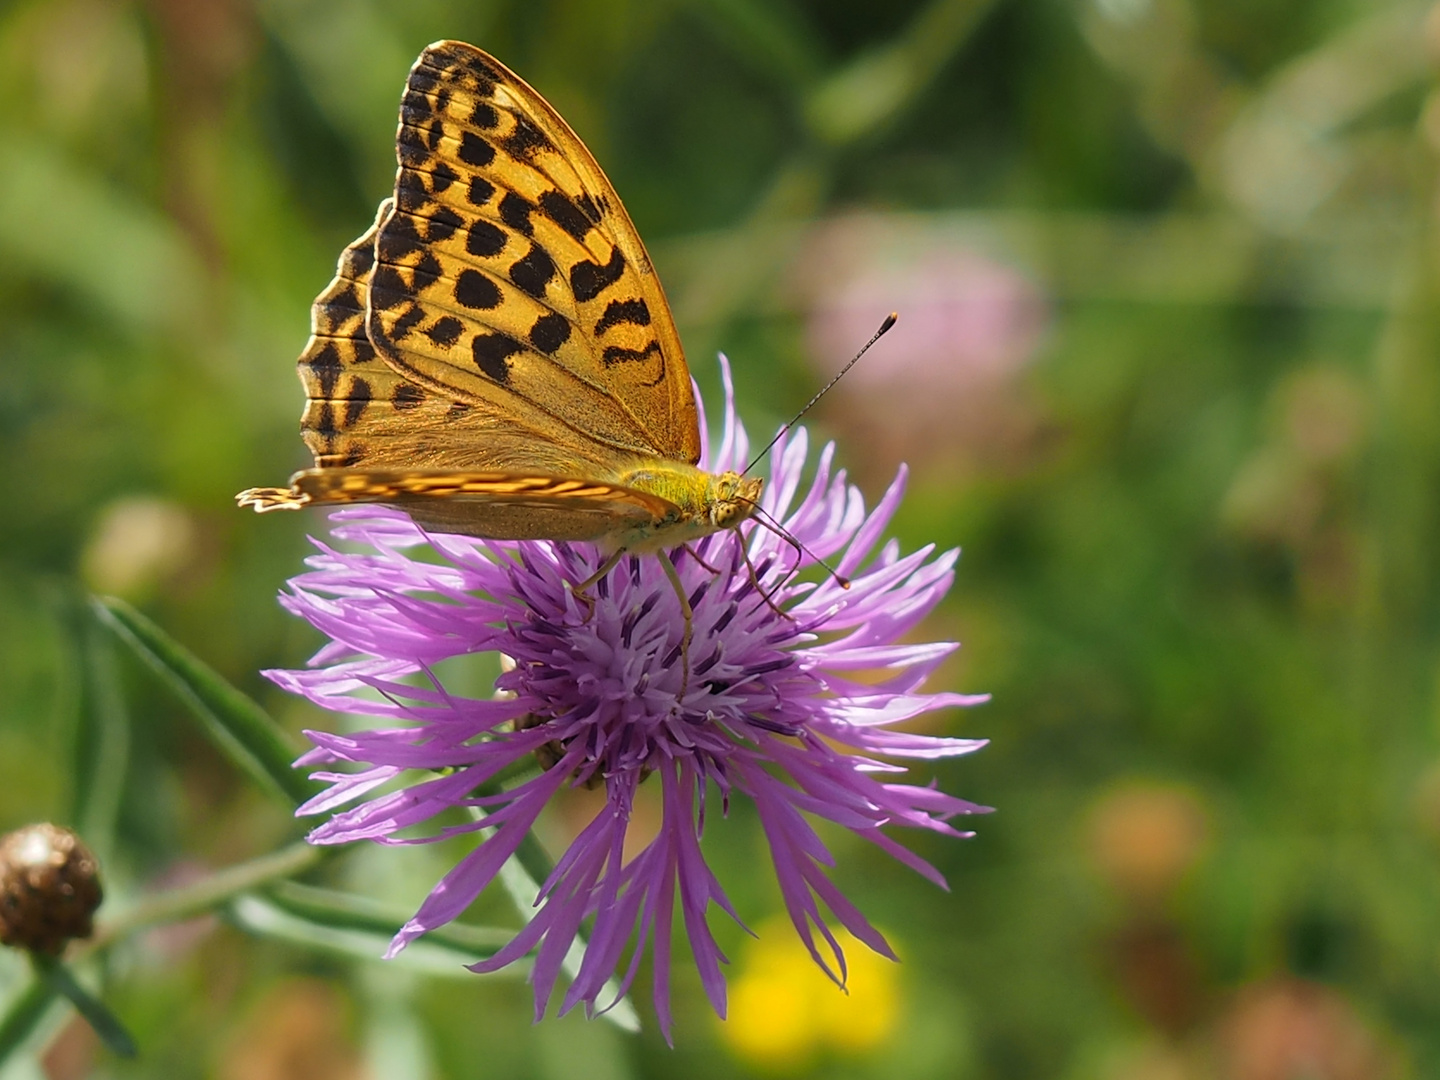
362,413
508,270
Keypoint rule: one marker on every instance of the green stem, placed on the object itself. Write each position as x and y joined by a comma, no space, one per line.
205,895
58,979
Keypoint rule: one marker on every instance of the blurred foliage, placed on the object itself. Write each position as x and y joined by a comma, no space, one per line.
1171,267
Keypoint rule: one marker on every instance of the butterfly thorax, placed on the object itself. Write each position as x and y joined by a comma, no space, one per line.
704,503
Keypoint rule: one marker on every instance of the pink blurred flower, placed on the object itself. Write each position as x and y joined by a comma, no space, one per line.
969,324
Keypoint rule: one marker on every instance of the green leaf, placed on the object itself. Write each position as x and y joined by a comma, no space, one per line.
106,1024
101,748
344,910
103,229
774,38
23,1016
244,731
879,86
360,929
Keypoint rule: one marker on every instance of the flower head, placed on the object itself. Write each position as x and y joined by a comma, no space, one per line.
772,710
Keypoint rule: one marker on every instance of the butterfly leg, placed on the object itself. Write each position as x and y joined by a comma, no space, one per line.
696,556
755,578
581,592
689,615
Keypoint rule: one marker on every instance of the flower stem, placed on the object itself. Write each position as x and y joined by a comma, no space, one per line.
57,978
204,895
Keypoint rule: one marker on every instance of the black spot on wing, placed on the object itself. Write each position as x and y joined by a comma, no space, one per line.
423,78
454,61
343,305
457,409
550,332
491,351
447,329
407,322
412,190
353,455
357,401
327,366
533,271
614,354
621,312
411,147
565,214
358,258
515,211
444,176
388,288
407,397
588,207
526,140
475,151
324,425
588,280
484,239
442,224
476,291
427,270
484,115
480,191
399,238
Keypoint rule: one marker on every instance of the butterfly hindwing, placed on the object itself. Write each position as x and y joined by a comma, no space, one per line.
508,271
358,410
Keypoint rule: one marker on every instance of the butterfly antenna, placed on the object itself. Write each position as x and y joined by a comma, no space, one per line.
884,328
763,517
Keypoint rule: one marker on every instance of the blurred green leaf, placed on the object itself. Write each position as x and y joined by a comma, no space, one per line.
772,37
880,85
240,728
61,980
102,738
343,926
116,252
348,911
24,1015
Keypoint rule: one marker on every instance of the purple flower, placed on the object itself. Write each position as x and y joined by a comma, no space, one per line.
770,711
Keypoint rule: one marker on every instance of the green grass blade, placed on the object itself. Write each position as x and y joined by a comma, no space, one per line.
24,1015
352,927
101,750
244,731
105,1024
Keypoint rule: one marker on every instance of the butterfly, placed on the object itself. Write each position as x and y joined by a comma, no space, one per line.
495,354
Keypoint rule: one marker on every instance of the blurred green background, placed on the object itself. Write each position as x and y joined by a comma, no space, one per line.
1166,368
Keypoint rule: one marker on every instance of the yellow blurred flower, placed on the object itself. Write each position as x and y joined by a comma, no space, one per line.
783,1008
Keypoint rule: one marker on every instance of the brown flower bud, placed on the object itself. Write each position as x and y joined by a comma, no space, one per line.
49,888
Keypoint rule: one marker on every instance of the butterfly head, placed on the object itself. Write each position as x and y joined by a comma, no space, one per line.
734,499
